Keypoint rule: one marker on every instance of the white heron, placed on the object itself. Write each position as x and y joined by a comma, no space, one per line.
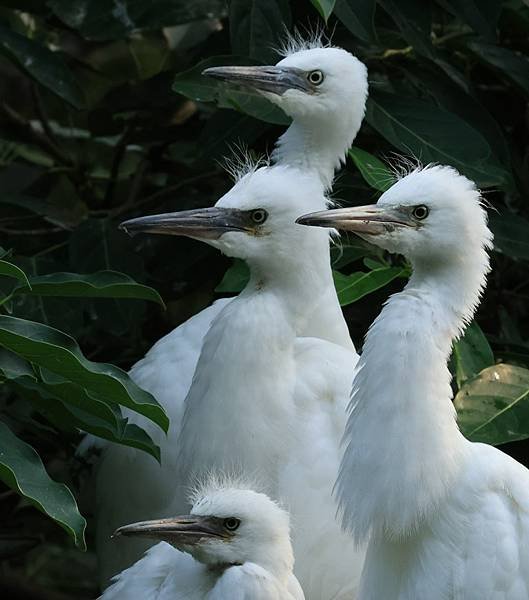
446,518
234,545
323,89
270,387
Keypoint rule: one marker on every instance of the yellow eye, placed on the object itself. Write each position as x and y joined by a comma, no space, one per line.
315,77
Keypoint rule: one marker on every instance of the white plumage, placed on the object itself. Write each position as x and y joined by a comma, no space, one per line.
234,545
446,518
262,386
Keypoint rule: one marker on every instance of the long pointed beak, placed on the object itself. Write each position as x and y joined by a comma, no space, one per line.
276,80
184,530
371,219
203,223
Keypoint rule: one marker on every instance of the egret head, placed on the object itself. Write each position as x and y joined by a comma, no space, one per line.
254,221
226,526
315,83
433,216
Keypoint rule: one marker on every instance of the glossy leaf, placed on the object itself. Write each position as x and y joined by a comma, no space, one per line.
58,352
324,7
351,288
358,16
235,278
373,170
8,269
434,135
472,353
103,284
41,64
256,27
22,470
493,407
511,234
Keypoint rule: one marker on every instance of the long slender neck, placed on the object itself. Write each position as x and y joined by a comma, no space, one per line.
318,144
404,447
241,398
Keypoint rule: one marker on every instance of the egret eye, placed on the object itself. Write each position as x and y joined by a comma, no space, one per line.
231,523
259,216
420,212
315,77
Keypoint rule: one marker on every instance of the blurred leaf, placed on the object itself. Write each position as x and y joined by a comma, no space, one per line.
511,235
415,25
103,20
12,366
351,288
434,135
235,278
198,87
493,407
103,284
41,64
358,16
256,26
373,170
472,353
22,470
324,7
481,15
513,65
58,352
9,270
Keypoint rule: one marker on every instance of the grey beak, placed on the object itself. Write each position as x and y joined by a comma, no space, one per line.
276,80
371,219
205,223
184,530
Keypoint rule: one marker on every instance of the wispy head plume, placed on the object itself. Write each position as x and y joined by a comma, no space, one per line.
296,40
242,162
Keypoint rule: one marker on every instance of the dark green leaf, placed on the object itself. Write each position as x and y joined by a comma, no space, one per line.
41,64
324,7
494,406
103,284
373,170
415,25
58,352
9,270
256,26
358,16
434,135
235,278
472,353
22,470
511,235
351,288
481,15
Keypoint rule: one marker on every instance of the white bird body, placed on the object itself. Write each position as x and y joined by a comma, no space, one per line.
446,519
198,573
269,390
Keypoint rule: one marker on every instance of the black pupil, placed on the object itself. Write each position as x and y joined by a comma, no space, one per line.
421,212
231,523
316,77
259,216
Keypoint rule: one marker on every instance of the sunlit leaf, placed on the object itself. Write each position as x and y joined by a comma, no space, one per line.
373,170
22,470
472,353
351,288
493,407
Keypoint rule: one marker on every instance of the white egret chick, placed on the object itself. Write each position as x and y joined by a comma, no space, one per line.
323,89
234,545
271,384
445,518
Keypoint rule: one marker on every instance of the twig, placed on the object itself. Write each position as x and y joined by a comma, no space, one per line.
119,153
135,189
42,231
43,118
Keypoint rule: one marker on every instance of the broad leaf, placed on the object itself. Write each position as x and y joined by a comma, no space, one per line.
235,278
198,87
103,284
7,269
22,470
358,16
481,15
493,407
415,25
351,288
103,20
256,26
434,135
511,235
324,7
58,352
471,354
41,64
373,170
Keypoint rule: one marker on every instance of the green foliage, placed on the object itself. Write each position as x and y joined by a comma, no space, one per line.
105,116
